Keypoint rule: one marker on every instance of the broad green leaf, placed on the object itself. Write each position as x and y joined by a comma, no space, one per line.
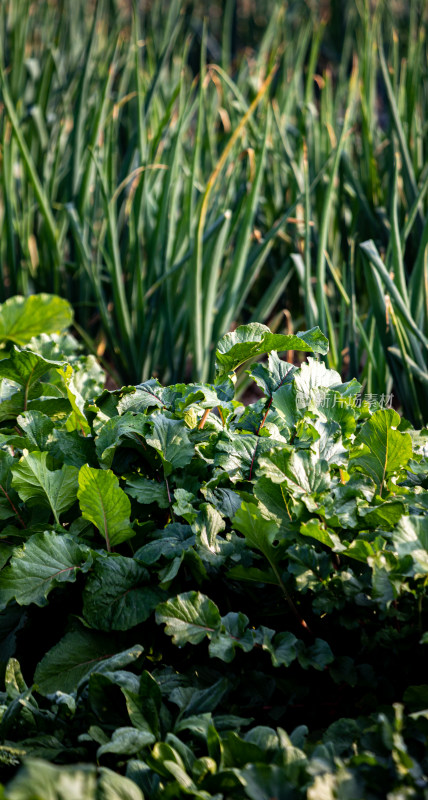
241,573
44,561
201,394
380,449
37,427
238,453
411,538
189,617
233,633
249,341
284,650
116,430
329,446
271,377
126,741
384,515
39,779
116,596
147,491
183,505
300,472
37,484
105,504
284,401
170,437
199,701
313,376
317,655
170,542
77,655
207,525
21,318
88,377
113,786
316,530
259,532
140,397
73,448
262,781
42,397
226,501
6,462
25,368
273,502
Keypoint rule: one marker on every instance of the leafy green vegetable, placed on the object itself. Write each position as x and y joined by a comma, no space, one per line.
249,341
21,318
382,450
264,606
105,504
37,484
46,560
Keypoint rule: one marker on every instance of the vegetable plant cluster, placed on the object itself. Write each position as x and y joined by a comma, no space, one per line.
201,599
172,177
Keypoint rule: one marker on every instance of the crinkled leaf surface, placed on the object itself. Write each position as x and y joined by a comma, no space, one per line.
145,395
172,541
411,538
25,368
37,427
270,378
44,561
189,617
146,491
126,741
249,341
116,596
170,437
116,430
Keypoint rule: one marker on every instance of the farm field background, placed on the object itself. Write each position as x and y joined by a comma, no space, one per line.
172,177
213,305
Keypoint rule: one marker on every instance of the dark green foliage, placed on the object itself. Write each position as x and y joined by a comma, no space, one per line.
208,600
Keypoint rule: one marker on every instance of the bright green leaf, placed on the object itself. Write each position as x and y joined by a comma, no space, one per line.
21,318
105,504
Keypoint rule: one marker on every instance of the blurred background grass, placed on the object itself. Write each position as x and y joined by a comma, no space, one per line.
176,168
